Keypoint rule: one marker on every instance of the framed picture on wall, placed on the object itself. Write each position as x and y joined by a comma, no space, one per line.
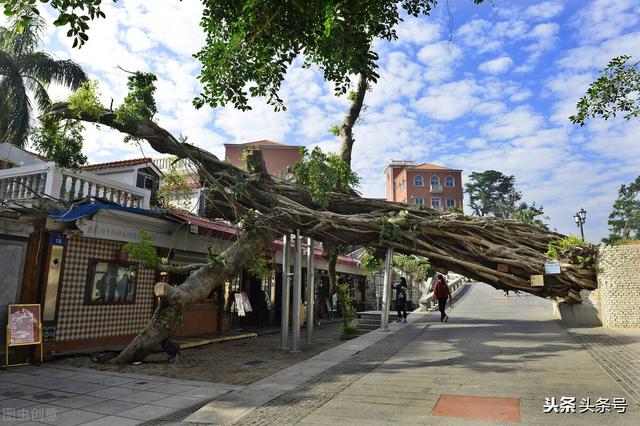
111,281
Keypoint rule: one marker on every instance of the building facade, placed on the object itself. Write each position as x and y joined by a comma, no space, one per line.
427,185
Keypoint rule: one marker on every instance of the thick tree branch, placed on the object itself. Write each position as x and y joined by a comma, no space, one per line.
350,119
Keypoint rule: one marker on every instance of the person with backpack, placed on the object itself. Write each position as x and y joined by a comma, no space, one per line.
441,293
401,299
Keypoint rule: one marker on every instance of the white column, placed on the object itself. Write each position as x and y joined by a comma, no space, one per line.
310,289
297,284
386,292
284,306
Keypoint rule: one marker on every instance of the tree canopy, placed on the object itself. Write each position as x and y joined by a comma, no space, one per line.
616,91
250,44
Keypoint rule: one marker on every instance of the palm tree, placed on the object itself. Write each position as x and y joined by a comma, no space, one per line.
24,71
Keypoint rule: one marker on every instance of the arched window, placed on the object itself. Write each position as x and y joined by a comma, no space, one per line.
418,181
449,182
435,181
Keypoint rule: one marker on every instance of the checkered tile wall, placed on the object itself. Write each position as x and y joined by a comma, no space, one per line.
77,320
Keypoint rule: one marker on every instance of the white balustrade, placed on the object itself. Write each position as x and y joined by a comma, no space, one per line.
46,180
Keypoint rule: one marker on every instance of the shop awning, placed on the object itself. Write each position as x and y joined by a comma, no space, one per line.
214,229
89,209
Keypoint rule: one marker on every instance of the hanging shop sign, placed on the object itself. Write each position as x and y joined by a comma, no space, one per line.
245,302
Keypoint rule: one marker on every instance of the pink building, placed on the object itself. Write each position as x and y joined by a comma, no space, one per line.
277,156
426,184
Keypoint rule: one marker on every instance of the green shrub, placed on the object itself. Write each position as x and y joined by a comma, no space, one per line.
349,329
573,249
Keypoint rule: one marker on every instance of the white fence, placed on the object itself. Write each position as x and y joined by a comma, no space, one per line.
45,180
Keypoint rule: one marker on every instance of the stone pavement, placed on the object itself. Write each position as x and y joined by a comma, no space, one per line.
236,362
70,396
495,361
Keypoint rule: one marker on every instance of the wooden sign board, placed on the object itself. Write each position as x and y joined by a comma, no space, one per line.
24,325
537,280
502,267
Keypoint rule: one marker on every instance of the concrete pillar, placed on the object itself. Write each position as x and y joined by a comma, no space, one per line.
297,287
284,319
310,289
386,292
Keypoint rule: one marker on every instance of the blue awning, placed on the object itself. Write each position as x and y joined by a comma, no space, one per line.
89,209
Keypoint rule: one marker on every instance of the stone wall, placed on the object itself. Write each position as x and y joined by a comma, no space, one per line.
619,286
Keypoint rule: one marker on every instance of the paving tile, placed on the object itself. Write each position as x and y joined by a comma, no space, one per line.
110,406
146,412
172,388
73,418
142,397
113,392
144,385
80,388
77,401
204,392
112,421
177,401
48,395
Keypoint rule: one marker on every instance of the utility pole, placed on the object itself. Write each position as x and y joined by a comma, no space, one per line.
297,284
386,295
284,308
310,289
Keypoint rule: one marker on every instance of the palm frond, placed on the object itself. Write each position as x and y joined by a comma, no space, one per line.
39,93
43,67
24,40
18,112
7,64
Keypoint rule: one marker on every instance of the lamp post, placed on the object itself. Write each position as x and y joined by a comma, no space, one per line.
580,218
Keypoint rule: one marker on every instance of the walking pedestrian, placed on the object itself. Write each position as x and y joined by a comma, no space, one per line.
441,293
401,299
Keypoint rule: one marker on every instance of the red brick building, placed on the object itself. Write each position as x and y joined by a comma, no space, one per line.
426,184
277,157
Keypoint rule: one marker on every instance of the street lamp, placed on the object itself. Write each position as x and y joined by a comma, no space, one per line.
580,218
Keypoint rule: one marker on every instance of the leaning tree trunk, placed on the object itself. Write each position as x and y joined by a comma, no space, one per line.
196,287
470,246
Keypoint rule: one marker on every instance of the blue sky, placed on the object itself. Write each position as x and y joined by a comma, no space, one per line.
482,87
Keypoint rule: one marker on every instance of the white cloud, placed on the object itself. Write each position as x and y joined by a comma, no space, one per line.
496,66
603,19
138,40
449,101
440,59
542,11
596,56
417,31
522,121
262,122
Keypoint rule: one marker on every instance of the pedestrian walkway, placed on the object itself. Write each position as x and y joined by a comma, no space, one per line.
69,396
498,360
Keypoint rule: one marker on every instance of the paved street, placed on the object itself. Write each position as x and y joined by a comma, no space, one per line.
505,350
494,362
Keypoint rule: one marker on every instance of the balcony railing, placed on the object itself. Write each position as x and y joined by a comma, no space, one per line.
46,180
436,189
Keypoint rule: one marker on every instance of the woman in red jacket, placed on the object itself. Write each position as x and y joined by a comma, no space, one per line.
441,293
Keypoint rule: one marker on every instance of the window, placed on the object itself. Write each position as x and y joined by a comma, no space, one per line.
419,201
111,281
449,182
435,202
418,181
451,202
435,181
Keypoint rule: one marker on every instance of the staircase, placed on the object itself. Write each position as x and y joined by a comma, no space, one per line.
370,320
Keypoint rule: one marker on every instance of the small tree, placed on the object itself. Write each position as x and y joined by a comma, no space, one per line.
624,220
492,193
